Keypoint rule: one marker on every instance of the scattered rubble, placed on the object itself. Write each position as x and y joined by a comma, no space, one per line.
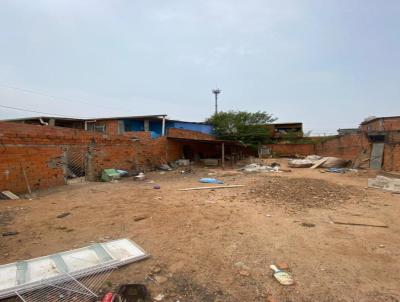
274,167
314,161
300,193
385,183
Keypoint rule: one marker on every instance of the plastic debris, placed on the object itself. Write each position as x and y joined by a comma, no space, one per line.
211,180
274,167
140,176
283,277
122,172
110,174
157,187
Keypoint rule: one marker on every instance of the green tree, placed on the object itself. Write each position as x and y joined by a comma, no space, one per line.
247,127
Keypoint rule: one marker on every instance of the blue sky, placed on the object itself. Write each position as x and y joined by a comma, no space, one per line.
326,63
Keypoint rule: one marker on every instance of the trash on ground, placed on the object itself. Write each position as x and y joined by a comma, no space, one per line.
140,176
123,173
283,277
110,174
308,224
314,158
337,170
283,266
165,167
183,162
63,215
47,274
335,162
159,297
133,292
212,188
8,195
274,167
314,161
384,183
109,297
10,233
318,163
211,180
140,217
157,187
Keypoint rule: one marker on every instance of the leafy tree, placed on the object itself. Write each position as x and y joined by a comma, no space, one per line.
247,127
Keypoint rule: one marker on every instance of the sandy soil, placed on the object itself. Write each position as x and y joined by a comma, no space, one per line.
218,245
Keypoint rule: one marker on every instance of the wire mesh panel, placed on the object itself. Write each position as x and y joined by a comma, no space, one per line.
68,288
75,163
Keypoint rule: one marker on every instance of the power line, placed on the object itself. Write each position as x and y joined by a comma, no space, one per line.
47,113
56,97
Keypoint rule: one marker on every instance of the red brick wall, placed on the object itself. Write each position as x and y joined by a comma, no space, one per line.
391,155
292,149
347,146
40,150
383,124
181,133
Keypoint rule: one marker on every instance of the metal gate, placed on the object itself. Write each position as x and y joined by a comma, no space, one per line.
75,164
376,156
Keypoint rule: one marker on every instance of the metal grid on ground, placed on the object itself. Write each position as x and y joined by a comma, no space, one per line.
68,288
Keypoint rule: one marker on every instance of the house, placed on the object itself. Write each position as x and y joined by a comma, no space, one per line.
286,130
156,125
381,124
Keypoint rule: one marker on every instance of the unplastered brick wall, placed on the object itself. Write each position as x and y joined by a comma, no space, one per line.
292,149
391,155
40,152
348,146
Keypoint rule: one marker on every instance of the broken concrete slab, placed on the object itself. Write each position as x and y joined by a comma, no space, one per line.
384,183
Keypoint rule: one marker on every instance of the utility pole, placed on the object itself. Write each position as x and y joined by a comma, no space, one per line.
216,92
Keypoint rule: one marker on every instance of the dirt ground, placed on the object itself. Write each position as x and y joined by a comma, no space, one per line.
217,245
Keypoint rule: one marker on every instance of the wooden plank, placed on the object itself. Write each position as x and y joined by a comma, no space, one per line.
360,221
319,162
223,155
212,187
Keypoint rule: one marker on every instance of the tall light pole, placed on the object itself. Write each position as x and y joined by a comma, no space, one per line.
216,92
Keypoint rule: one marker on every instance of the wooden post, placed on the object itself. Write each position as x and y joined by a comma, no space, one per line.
223,155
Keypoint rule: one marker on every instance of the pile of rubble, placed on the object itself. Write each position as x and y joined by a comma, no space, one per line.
315,161
274,167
